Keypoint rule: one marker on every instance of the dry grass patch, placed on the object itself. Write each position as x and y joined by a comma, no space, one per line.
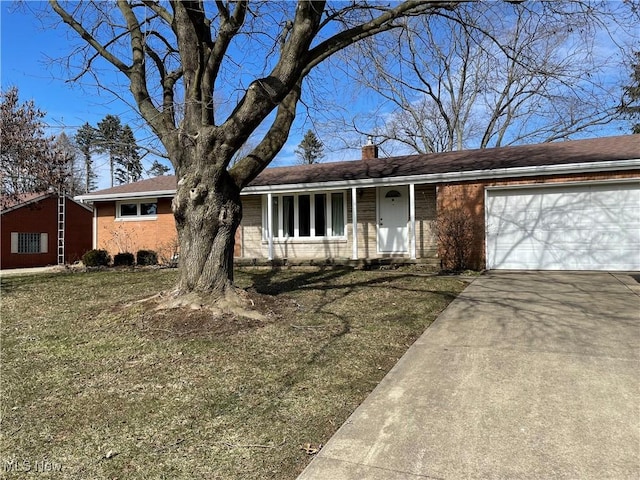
105,391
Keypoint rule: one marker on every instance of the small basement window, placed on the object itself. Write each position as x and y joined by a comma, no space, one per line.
29,243
137,210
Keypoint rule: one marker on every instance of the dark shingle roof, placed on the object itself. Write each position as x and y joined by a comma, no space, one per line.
558,153
10,202
156,184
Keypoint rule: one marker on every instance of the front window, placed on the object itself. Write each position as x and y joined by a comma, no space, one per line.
318,215
128,209
147,209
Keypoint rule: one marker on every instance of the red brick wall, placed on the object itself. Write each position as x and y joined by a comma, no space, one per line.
470,197
41,217
117,236
78,231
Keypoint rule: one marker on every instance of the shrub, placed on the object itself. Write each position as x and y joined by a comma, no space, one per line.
96,258
146,257
455,236
168,253
123,259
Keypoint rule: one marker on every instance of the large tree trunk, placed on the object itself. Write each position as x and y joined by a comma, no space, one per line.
207,211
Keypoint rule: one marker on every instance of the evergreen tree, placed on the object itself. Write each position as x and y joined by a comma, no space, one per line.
157,169
85,139
310,150
631,102
107,141
129,166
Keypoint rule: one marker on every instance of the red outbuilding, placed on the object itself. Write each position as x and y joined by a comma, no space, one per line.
40,229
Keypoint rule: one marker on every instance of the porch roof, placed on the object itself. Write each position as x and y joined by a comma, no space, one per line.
575,156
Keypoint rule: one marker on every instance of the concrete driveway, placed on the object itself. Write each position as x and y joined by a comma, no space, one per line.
523,376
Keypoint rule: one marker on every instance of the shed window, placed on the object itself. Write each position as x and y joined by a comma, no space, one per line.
29,242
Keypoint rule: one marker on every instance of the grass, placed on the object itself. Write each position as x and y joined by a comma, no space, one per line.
91,389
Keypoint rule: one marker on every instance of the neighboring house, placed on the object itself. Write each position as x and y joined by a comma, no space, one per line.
135,216
40,229
571,205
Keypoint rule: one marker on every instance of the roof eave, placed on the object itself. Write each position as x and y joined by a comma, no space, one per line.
125,196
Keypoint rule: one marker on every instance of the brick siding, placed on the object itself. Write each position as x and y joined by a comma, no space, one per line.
118,236
470,197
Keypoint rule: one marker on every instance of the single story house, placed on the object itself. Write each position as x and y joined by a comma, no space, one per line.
572,205
40,229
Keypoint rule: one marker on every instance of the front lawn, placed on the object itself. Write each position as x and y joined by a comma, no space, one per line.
92,388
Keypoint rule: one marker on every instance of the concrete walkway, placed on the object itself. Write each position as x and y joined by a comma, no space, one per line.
32,270
523,376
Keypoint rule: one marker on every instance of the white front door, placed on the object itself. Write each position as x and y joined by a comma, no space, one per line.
393,217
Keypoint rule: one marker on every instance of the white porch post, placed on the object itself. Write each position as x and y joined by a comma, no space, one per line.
412,219
354,221
270,224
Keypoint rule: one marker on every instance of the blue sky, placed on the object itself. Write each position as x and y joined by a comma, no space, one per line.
27,45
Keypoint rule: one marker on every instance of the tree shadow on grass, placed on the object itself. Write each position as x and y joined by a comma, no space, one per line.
273,282
333,288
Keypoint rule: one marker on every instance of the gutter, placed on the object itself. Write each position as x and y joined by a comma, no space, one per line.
123,196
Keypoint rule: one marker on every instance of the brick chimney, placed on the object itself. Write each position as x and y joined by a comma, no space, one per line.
370,150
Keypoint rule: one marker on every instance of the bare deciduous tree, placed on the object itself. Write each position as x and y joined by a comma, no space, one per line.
30,161
492,74
70,156
177,56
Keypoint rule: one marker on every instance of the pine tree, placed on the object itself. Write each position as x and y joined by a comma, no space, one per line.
128,164
85,140
157,169
310,150
631,102
107,141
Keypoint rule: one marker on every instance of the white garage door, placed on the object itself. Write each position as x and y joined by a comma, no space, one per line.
585,227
